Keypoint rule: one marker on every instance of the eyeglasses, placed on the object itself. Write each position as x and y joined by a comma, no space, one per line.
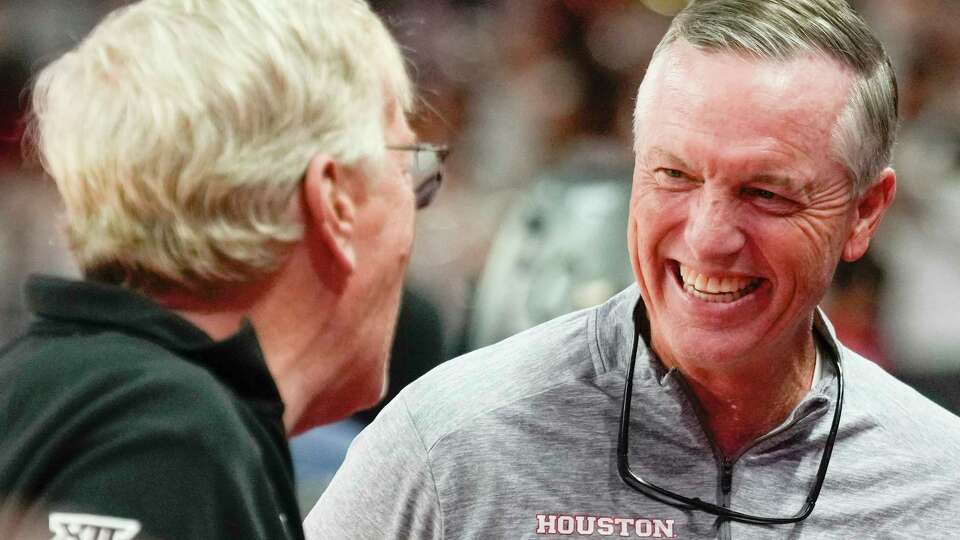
427,170
668,497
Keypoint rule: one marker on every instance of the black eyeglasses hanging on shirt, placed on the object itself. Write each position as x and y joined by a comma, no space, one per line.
675,499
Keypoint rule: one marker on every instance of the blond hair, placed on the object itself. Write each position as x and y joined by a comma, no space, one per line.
178,130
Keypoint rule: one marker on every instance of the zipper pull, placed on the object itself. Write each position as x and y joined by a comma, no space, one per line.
726,477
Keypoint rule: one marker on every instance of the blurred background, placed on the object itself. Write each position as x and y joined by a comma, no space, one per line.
535,97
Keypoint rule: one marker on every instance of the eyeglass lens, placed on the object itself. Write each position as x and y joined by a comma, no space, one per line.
428,174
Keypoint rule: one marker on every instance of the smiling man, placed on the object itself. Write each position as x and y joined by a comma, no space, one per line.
712,399
741,208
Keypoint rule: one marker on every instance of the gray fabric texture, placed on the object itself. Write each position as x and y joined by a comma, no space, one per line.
484,443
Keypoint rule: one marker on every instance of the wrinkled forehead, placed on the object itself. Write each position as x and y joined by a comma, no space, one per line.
720,86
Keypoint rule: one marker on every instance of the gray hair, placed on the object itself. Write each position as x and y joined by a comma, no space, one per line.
178,130
865,131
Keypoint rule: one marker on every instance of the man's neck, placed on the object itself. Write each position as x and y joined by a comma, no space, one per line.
301,346
747,399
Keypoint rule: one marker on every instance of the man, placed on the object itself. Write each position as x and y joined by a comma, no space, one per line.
762,142
239,181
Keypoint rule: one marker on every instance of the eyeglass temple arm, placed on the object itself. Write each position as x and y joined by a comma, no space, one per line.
668,497
623,465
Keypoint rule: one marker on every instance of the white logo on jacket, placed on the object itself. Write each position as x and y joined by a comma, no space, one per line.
66,526
587,525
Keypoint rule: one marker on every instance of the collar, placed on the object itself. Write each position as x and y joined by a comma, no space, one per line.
657,388
87,306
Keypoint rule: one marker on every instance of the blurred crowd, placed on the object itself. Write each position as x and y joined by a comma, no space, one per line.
535,97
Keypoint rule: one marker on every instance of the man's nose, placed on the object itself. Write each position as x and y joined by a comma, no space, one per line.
713,230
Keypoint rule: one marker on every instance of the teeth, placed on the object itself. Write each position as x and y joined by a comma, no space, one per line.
701,282
713,285
716,288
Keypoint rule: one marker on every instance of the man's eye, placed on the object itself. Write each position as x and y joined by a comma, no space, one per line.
674,179
671,176
760,193
770,201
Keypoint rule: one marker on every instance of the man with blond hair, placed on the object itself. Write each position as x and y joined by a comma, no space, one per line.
240,184
711,399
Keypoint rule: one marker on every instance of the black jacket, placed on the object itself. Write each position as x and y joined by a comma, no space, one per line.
117,414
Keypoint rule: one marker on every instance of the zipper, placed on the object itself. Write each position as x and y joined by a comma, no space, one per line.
725,484
726,481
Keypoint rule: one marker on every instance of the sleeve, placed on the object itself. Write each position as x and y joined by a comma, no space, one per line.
385,488
154,458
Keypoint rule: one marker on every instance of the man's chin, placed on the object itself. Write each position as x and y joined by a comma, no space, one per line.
368,397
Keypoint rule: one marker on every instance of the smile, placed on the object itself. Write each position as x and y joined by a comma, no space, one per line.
716,288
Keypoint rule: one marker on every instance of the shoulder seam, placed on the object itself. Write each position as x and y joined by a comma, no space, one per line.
870,412
598,373
593,324
585,335
904,411
426,452
506,404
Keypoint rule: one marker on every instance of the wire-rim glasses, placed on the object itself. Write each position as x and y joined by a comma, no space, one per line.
674,499
427,169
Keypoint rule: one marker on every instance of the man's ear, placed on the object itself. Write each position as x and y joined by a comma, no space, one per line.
330,209
871,205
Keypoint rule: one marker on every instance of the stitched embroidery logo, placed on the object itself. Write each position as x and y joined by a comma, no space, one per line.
565,525
65,526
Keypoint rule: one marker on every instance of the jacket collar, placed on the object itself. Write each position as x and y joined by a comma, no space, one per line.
87,306
656,388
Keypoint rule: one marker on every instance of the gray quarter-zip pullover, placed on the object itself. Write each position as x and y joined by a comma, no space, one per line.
518,441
